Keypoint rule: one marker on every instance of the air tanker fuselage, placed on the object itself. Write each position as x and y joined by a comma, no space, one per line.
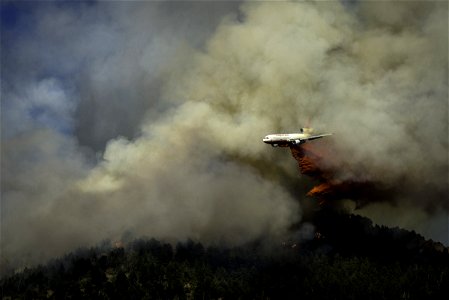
291,139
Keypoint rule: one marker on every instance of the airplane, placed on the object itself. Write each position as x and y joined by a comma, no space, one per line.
292,139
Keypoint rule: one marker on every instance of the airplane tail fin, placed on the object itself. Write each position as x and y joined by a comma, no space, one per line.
307,130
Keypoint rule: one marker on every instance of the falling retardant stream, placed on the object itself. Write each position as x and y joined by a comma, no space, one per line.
329,189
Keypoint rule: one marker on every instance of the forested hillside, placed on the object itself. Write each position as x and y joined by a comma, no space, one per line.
355,260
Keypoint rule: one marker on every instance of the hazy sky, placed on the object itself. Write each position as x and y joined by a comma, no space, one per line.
147,117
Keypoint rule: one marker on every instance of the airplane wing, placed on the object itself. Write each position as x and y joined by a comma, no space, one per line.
309,138
314,137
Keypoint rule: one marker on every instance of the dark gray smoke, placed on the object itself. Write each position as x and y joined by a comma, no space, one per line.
175,98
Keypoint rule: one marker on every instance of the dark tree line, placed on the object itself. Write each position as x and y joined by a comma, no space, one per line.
352,259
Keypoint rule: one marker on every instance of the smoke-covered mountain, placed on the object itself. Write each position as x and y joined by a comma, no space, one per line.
145,118
346,258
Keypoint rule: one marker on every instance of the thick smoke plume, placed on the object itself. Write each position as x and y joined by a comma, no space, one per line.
177,98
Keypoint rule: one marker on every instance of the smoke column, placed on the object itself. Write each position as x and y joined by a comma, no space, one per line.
155,128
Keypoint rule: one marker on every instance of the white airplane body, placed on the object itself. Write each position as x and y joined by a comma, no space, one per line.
292,139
